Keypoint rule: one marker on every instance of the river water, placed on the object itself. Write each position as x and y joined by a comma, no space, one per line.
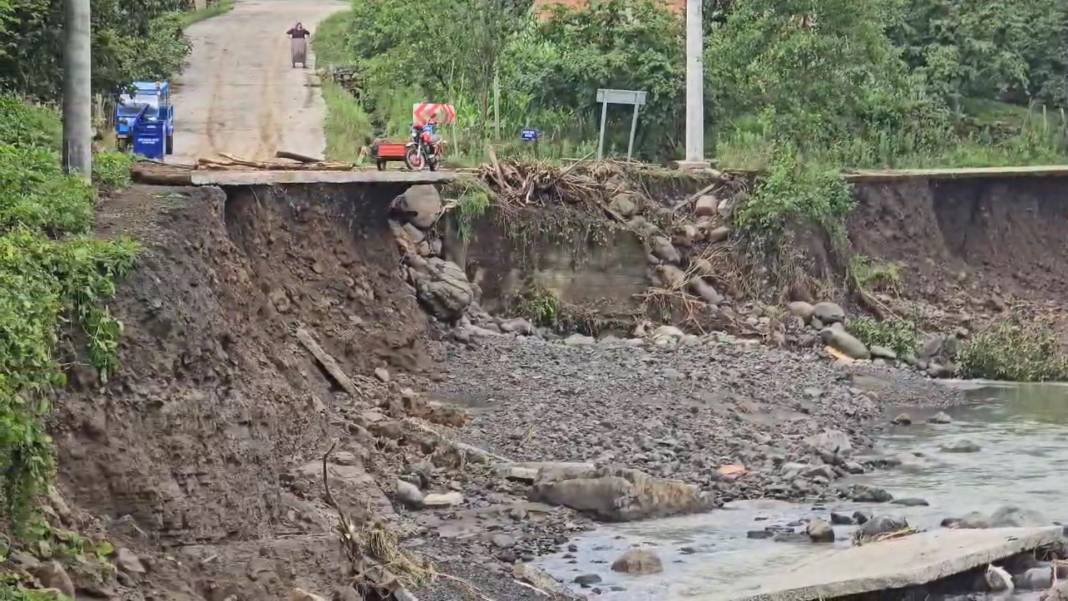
1022,430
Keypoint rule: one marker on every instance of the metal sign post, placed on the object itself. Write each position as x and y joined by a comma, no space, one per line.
631,97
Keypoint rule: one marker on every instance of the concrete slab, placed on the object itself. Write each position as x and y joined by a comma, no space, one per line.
886,175
913,560
269,178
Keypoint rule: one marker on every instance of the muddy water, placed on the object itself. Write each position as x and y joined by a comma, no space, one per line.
1023,434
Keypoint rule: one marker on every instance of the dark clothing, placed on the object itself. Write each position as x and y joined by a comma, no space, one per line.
298,33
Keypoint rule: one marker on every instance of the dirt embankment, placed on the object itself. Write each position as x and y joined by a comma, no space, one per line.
971,249
202,451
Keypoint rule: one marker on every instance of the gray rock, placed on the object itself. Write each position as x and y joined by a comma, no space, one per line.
941,371
972,521
621,495
52,575
822,471
868,494
382,374
719,234
684,235
940,418
298,594
903,419
880,525
853,467
638,562
861,517
517,325
579,340
758,534
409,494
441,287
587,580
841,519
828,313
502,541
833,443
1017,517
419,205
960,446
931,346
883,352
801,309
670,277
706,206
1060,593
127,561
911,502
820,531
1035,579
662,248
705,290
845,342
448,499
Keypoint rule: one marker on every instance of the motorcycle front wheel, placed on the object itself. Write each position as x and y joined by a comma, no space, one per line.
414,159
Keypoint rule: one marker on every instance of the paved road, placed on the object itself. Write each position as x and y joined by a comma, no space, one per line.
239,94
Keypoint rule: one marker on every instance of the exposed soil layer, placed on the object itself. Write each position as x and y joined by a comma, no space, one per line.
969,246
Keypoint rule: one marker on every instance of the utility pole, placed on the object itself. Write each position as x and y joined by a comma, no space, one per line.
695,81
77,90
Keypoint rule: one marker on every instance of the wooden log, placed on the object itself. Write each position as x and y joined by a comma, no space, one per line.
329,363
157,177
303,158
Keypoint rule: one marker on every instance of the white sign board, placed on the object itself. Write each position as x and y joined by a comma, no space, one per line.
621,97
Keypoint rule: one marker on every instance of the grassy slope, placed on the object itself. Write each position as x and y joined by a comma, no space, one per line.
219,8
347,126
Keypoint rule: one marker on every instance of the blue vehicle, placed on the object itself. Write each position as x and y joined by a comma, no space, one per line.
146,108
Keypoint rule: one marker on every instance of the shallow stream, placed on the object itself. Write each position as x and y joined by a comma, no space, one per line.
1022,430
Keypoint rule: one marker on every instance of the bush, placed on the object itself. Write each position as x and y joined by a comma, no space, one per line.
868,274
1009,351
38,195
898,335
111,169
473,198
23,124
791,192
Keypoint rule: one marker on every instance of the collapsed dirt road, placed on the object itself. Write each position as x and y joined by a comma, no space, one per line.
239,93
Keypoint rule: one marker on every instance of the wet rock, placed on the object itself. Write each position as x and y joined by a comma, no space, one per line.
940,418
587,580
620,495
903,419
828,313
931,346
638,562
841,519
441,287
960,446
941,371
801,309
661,248
1060,593
52,575
868,494
998,579
1035,579
911,502
853,467
409,494
127,561
705,290
820,531
419,205
1016,517
706,206
880,525
882,352
973,521
845,342
820,471
862,517
759,534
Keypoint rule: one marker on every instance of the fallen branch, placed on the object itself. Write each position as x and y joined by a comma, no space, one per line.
302,158
328,362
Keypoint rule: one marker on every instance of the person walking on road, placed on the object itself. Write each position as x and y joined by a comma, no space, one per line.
298,45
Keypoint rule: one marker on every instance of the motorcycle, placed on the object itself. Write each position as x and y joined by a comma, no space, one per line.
424,150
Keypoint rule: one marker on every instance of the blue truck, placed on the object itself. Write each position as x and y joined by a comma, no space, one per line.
144,119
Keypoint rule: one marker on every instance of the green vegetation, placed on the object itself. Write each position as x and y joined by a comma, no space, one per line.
540,306
868,274
111,169
472,198
132,40
219,7
12,591
899,335
347,127
53,278
1011,351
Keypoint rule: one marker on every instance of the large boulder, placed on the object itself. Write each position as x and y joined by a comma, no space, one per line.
820,531
801,309
843,341
621,495
831,443
828,313
638,562
418,205
441,286
1017,517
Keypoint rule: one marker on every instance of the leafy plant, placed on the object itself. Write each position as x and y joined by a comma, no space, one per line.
899,335
539,305
111,169
24,124
869,274
1016,352
473,198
